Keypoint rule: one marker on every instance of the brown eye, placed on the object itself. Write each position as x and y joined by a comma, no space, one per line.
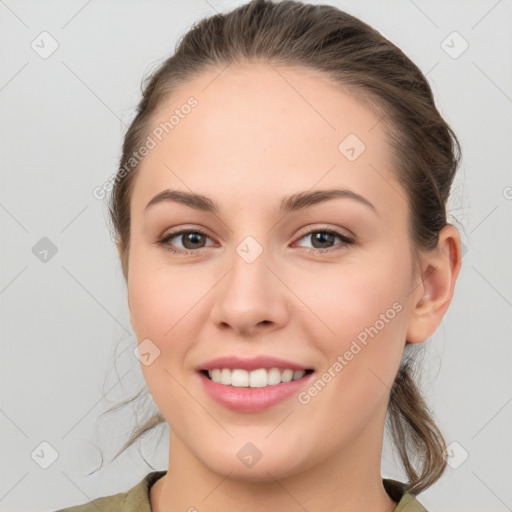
325,239
190,241
322,239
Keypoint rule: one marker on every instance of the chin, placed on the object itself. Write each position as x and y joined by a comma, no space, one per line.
259,473
251,465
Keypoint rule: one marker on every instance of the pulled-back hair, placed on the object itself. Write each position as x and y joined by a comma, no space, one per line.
365,64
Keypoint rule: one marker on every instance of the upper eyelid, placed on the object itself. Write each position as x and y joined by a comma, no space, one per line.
307,231
304,231
326,227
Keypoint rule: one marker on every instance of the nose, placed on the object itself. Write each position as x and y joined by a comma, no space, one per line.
251,299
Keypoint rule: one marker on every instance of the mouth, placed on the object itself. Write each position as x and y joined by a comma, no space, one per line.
257,378
256,390
252,384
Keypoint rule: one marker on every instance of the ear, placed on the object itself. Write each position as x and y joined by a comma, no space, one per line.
439,270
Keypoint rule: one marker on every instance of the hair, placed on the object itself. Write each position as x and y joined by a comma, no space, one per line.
362,62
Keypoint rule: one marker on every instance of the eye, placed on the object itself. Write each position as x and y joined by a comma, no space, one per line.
323,238
191,240
194,240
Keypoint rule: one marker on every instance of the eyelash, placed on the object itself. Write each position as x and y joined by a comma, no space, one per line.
163,241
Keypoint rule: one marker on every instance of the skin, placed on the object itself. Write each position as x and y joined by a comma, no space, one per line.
257,134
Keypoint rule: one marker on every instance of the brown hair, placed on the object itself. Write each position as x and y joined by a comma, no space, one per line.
360,60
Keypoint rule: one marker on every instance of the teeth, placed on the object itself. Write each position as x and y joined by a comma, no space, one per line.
255,379
239,378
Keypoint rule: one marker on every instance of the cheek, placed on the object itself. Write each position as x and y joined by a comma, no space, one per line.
168,305
164,307
349,299
364,313
158,294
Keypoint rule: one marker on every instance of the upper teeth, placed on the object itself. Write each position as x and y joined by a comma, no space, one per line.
255,379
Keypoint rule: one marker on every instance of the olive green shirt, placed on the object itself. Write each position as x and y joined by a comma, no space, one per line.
137,498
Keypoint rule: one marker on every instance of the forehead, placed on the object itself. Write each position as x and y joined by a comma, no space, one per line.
258,128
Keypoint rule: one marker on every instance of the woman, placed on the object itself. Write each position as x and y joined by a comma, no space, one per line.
280,217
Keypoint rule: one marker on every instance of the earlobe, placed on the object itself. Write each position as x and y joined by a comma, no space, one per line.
440,268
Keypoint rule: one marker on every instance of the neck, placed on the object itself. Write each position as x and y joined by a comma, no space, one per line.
189,484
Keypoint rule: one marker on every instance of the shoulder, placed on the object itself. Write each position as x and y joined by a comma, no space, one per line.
116,502
405,502
135,499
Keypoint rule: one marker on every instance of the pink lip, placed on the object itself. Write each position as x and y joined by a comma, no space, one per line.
253,363
247,399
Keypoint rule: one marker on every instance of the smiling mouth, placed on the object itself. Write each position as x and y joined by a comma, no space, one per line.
259,378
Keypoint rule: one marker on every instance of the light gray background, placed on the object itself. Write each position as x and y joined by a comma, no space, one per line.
62,121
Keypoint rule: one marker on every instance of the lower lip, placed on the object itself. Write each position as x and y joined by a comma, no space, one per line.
252,399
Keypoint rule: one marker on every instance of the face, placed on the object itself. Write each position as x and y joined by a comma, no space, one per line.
323,285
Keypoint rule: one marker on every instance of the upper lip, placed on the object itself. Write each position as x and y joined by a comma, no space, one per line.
249,364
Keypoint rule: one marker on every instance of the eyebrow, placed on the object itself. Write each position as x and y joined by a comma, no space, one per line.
291,203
